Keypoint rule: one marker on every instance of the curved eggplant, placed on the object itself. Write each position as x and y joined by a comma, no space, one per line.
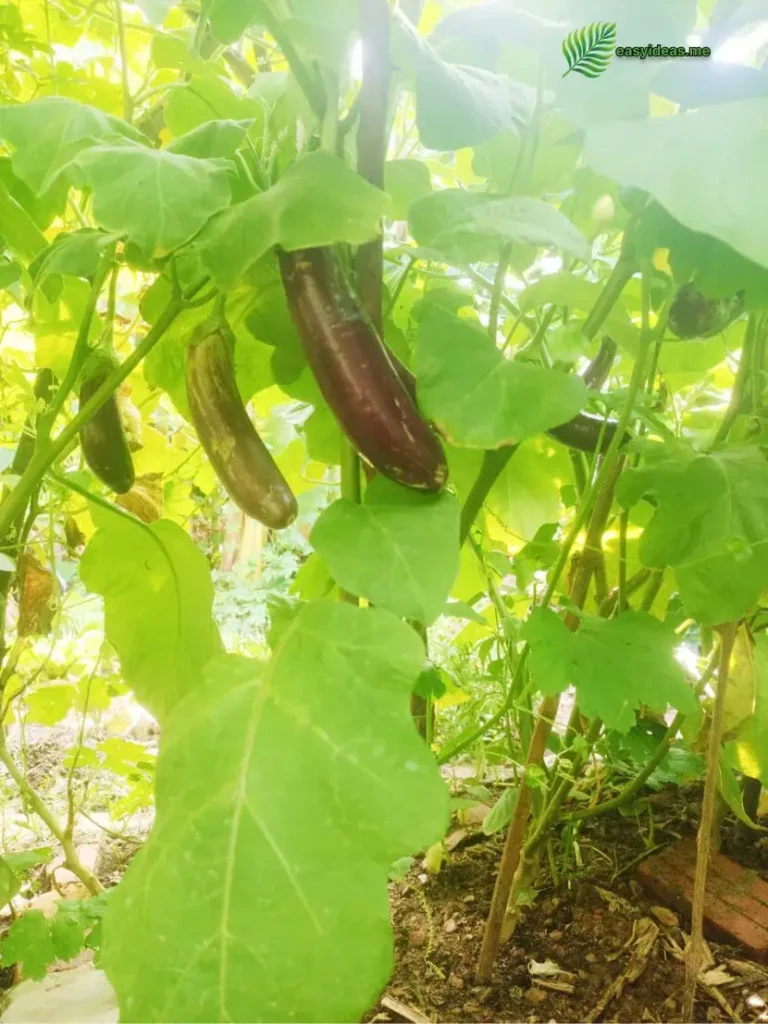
596,374
103,438
239,457
356,375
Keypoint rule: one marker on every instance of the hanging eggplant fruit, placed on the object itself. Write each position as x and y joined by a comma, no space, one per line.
356,375
691,315
103,438
239,457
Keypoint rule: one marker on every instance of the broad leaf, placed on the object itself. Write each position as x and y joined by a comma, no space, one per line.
480,399
527,494
318,201
399,549
457,105
28,943
46,134
405,181
719,189
214,139
470,227
284,794
156,198
616,664
710,526
158,598
75,254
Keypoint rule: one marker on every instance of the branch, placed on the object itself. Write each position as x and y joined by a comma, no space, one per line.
695,952
44,459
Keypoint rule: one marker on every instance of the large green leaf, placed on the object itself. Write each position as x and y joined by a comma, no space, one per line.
527,494
284,794
459,105
318,201
706,167
470,227
156,198
710,525
478,398
399,549
45,135
616,664
213,139
158,597
204,99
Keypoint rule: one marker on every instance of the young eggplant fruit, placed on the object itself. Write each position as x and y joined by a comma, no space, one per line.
691,315
356,375
239,457
587,433
103,439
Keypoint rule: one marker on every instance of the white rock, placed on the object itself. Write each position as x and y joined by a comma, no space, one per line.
80,996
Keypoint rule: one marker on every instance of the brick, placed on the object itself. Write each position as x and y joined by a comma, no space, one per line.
736,899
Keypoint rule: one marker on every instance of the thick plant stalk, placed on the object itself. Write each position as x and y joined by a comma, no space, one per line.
602,494
695,953
513,846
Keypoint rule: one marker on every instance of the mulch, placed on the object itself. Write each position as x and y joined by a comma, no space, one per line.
594,946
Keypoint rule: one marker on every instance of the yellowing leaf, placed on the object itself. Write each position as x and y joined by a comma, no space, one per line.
741,693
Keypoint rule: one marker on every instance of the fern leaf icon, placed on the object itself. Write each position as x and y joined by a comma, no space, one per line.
588,50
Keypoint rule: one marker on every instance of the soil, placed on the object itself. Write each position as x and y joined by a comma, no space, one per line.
439,918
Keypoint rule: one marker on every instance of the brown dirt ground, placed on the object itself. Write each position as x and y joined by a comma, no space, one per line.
438,921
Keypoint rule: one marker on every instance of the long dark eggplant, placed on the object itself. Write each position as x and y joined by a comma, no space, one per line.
239,457
103,439
585,432
356,375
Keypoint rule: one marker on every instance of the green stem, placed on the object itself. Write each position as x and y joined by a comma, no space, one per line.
122,49
307,83
72,860
351,490
614,286
740,384
498,291
79,355
494,462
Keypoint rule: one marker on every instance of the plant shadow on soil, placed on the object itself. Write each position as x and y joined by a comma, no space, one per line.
439,918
